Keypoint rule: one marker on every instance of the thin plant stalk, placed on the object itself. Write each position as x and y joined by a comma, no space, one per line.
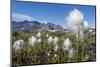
68,56
83,46
77,51
82,52
77,44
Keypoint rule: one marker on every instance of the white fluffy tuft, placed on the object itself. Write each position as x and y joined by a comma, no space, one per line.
38,34
75,17
67,44
32,40
18,44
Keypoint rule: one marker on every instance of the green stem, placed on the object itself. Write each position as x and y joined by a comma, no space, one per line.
68,56
82,52
77,53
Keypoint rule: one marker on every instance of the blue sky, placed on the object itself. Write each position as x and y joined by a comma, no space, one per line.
55,13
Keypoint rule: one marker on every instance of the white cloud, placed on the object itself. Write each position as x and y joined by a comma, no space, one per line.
21,17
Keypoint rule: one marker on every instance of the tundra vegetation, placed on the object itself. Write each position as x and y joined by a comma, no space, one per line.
46,52
76,44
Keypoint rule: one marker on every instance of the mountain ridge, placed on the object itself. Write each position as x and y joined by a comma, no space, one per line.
34,26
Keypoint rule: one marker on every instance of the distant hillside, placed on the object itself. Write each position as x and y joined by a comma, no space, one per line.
29,26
